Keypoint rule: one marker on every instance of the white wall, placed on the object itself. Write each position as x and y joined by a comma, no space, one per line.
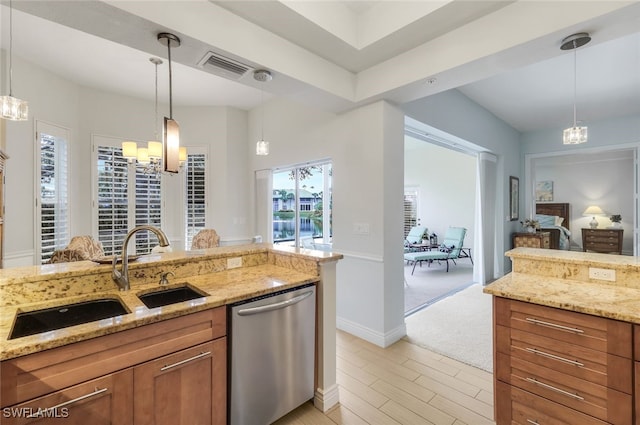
446,182
366,148
454,113
85,112
597,179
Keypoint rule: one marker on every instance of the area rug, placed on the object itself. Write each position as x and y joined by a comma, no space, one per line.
458,327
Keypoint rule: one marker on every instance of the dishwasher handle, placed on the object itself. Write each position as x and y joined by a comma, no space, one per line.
275,306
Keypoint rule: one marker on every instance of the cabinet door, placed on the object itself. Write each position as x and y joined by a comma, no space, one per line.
187,387
106,400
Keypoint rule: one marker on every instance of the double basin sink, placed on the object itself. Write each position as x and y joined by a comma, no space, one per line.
62,316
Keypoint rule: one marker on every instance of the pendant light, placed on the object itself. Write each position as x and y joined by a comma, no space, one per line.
171,130
575,135
12,108
264,76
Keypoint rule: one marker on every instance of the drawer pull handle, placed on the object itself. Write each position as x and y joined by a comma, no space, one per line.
41,412
554,325
554,357
552,388
181,362
531,421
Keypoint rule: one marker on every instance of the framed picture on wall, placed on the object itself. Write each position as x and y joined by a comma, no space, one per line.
544,191
514,195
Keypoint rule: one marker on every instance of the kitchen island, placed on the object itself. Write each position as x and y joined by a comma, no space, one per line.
566,346
120,346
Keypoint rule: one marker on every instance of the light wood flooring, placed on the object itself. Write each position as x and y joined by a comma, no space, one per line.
402,384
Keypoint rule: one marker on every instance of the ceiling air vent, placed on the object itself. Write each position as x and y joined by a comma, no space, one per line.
223,66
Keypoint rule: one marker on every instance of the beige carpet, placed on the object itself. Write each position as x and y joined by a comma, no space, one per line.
430,284
459,326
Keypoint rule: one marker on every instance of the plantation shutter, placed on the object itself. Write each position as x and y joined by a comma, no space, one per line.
113,208
148,209
195,199
410,210
54,206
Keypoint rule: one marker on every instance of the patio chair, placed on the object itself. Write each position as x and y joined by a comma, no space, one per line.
448,250
414,236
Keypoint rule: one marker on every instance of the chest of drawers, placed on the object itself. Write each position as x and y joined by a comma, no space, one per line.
532,240
602,240
561,367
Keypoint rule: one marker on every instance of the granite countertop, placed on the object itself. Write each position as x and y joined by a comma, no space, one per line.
561,279
224,287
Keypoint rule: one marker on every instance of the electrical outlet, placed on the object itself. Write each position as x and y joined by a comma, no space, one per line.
602,274
233,263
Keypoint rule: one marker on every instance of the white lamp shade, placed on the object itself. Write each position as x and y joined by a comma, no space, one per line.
574,135
182,154
155,149
262,148
593,210
171,146
14,109
130,150
143,156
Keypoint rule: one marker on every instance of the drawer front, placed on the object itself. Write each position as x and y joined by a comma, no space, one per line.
596,333
590,365
575,393
30,376
523,408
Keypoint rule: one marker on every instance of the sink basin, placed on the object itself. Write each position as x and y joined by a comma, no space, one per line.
62,316
170,296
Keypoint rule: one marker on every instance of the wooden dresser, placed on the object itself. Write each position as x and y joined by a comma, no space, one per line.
602,240
532,240
561,367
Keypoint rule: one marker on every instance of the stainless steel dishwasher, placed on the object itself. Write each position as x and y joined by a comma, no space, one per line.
272,352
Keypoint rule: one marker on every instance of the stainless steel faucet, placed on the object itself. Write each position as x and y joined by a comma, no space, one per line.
122,277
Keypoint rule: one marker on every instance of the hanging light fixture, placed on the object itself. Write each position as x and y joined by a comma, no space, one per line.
171,146
150,158
264,76
574,135
12,108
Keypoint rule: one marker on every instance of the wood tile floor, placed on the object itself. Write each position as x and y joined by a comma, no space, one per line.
402,384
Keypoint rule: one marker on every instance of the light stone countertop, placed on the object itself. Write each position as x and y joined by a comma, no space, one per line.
561,279
265,269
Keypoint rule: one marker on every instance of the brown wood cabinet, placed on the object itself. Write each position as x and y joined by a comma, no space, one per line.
558,366
602,240
152,371
532,240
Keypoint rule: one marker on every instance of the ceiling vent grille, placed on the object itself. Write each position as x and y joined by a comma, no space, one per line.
223,66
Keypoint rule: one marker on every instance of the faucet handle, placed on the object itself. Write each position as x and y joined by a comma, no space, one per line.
164,278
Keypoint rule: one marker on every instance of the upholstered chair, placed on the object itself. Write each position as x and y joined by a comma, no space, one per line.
205,238
79,249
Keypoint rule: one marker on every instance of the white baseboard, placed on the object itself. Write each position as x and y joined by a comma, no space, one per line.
374,337
326,398
17,259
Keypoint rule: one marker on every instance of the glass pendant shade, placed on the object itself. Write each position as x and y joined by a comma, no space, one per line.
143,156
155,149
574,135
171,146
14,109
262,148
130,150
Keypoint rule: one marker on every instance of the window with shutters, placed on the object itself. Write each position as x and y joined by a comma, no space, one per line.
195,194
125,197
53,202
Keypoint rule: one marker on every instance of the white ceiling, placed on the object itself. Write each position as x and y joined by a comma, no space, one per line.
339,54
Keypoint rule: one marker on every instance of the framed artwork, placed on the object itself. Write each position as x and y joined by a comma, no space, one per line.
544,191
514,195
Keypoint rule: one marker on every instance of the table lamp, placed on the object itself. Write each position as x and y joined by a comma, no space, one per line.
593,211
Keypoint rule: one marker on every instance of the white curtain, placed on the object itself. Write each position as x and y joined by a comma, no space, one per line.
485,241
